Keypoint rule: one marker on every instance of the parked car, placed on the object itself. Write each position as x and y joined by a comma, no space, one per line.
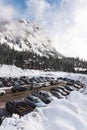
33,83
7,83
18,89
79,83
53,81
44,81
2,91
15,83
3,115
69,83
57,94
69,80
19,107
47,79
45,96
60,91
64,89
78,86
25,79
21,82
70,88
34,101
61,80
1,84
38,82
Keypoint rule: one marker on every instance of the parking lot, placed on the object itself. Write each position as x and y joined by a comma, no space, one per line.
19,95
19,90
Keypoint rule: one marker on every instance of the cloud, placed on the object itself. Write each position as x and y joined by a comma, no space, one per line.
64,20
7,11
66,23
38,8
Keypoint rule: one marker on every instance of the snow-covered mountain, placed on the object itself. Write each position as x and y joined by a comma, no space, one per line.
23,35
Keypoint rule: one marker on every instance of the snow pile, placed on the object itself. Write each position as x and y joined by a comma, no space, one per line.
13,71
64,114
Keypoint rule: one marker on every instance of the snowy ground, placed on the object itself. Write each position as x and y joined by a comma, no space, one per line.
61,114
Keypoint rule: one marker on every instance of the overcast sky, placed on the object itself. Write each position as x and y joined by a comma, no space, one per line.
65,21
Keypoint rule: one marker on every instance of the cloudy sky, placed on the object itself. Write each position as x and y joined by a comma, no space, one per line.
65,21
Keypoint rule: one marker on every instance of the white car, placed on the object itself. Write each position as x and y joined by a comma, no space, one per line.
2,92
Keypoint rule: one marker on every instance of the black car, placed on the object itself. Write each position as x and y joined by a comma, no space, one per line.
70,83
68,80
70,88
57,94
19,107
18,89
61,91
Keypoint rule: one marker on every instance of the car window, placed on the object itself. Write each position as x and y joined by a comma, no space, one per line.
48,95
36,100
40,93
43,94
30,99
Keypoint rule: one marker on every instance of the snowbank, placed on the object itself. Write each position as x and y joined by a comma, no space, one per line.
64,114
13,71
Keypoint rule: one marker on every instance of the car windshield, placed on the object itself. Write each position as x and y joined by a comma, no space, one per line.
36,100
48,94
58,93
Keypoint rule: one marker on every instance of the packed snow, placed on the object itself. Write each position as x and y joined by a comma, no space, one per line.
60,114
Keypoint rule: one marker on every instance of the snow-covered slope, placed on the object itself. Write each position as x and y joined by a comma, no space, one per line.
61,114
23,35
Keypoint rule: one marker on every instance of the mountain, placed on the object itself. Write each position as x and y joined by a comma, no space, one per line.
23,35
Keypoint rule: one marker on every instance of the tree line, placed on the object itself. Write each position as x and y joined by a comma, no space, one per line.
29,60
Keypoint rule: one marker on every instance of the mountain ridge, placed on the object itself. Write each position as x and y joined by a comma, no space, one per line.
22,35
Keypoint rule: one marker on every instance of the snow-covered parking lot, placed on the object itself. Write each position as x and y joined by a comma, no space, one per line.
61,114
